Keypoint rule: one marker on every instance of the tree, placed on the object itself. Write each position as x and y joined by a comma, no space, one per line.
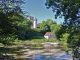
50,22
11,22
10,5
70,9
23,27
10,18
65,37
53,28
44,27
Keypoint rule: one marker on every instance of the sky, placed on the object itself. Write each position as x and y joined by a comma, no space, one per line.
37,9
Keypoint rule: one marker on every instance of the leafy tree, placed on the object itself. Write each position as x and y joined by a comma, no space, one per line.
23,27
70,9
11,20
50,22
65,37
53,28
45,27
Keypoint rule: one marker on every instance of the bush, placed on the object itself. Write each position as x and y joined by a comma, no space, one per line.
65,47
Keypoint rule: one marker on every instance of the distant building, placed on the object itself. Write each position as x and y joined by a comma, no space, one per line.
34,21
49,35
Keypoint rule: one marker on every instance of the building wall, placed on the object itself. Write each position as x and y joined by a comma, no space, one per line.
47,37
52,36
35,23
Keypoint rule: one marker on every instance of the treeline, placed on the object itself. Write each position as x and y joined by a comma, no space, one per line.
43,27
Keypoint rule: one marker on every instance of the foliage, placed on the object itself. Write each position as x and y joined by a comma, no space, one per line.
33,34
65,46
12,21
50,22
55,28
11,5
45,26
12,24
65,37
44,40
66,8
70,10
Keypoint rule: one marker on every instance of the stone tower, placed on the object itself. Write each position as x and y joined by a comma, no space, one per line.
34,21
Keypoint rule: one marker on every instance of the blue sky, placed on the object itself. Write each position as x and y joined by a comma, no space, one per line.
37,9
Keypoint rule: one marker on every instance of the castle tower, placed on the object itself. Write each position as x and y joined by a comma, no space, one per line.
34,21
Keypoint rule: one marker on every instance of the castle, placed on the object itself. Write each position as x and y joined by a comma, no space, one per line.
34,21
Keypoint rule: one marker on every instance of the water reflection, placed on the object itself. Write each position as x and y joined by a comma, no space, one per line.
39,57
53,58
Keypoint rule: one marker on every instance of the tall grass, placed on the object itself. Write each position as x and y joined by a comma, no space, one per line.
44,40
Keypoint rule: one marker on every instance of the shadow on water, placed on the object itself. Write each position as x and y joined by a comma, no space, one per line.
9,53
4,53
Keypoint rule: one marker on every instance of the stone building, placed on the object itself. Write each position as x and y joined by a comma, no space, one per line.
34,21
